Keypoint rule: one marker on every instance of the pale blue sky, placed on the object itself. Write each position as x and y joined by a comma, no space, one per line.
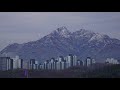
20,27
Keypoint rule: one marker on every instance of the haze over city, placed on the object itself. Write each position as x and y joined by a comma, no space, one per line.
21,27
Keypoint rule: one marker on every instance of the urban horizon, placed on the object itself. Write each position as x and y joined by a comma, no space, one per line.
60,63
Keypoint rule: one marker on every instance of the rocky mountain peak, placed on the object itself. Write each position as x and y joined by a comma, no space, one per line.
61,31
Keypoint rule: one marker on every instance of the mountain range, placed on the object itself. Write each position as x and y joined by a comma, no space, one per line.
61,42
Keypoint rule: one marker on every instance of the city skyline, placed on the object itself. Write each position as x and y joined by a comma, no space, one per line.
69,66
20,27
59,63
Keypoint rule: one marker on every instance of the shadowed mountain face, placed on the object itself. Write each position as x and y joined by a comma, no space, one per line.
62,42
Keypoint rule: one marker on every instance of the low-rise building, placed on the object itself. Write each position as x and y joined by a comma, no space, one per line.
112,61
80,63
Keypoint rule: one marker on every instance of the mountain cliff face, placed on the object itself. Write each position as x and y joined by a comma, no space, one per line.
82,43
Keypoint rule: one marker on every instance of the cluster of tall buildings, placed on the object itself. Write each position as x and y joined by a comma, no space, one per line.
60,63
7,63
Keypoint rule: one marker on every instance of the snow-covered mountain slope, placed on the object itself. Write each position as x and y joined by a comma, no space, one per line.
61,41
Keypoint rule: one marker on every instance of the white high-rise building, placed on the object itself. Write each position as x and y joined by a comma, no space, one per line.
14,64
57,65
31,64
49,66
69,60
93,61
9,63
36,64
52,63
45,64
74,60
63,65
88,61
17,62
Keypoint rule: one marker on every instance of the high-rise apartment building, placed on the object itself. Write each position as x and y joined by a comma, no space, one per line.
5,63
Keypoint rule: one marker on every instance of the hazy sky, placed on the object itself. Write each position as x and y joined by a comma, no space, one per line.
20,27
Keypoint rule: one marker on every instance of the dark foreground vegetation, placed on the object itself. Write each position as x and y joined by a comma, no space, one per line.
105,71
